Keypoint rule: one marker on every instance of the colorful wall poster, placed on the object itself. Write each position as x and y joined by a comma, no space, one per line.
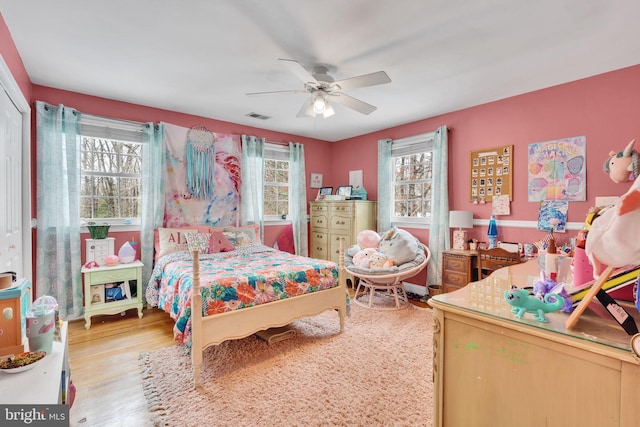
557,170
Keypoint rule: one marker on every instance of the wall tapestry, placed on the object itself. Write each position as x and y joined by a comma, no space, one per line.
557,170
201,201
491,173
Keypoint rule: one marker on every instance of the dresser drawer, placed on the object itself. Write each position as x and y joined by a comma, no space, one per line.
334,247
454,263
455,278
319,221
341,223
340,208
319,208
319,245
120,275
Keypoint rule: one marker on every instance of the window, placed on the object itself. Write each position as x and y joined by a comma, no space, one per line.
111,170
276,181
412,170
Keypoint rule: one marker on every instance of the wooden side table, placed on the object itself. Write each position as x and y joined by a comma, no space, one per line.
116,274
459,268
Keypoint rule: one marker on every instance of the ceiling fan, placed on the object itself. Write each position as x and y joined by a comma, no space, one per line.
323,88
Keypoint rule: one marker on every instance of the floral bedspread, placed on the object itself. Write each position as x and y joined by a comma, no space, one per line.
252,274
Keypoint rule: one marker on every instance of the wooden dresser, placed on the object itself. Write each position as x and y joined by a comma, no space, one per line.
458,269
331,220
506,371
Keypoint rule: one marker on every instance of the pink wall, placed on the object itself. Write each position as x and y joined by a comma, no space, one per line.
603,108
11,57
317,153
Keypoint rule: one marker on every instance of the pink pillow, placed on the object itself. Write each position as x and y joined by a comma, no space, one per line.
172,240
219,243
199,228
285,240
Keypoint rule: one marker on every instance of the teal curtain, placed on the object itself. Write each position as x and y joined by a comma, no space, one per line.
298,196
252,173
58,207
153,180
439,239
385,180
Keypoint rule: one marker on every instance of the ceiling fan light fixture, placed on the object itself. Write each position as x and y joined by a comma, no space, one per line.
319,104
328,112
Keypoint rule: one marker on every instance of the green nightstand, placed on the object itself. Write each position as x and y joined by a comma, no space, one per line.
95,280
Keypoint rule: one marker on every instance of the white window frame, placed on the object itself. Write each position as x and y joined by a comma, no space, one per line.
117,130
403,147
280,153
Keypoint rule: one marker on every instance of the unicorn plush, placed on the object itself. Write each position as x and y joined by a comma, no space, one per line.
613,236
623,165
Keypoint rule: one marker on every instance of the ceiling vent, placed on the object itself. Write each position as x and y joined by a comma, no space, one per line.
258,116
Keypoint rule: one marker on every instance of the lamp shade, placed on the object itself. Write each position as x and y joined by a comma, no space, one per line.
460,219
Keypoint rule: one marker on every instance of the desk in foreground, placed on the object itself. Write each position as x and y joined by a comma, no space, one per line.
47,383
491,368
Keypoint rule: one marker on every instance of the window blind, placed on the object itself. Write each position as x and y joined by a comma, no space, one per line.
412,144
103,127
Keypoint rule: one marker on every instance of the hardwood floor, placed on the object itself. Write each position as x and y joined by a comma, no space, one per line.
105,366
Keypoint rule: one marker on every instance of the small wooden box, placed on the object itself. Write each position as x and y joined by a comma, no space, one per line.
14,304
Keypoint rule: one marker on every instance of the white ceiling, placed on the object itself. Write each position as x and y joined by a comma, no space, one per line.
202,56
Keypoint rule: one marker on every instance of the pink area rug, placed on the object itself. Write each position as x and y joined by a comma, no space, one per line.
378,372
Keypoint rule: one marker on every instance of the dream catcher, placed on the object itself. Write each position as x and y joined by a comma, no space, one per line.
201,161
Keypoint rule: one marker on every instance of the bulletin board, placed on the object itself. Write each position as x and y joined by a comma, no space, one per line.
491,173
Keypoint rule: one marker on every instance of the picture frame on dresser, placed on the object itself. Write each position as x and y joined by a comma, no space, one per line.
326,191
323,192
344,190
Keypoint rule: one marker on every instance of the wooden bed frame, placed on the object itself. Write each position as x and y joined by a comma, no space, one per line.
213,330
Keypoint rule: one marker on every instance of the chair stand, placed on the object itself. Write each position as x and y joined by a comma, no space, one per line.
372,290
387,287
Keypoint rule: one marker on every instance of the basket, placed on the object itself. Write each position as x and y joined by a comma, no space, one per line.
98,231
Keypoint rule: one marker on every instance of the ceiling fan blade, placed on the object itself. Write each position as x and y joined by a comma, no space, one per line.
353,103
296,68
372,79
277,92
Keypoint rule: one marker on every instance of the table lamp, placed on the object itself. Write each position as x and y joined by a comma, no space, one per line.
460,219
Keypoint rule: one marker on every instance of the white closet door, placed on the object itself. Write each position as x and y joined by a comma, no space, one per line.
10,186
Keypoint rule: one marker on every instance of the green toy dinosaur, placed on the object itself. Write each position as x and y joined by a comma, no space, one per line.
523,302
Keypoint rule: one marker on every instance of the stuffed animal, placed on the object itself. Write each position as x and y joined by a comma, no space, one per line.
623,165
363,257
380,260
399,246
546,285
613,236
368,239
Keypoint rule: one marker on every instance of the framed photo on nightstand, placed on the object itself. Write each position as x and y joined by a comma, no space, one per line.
97,294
